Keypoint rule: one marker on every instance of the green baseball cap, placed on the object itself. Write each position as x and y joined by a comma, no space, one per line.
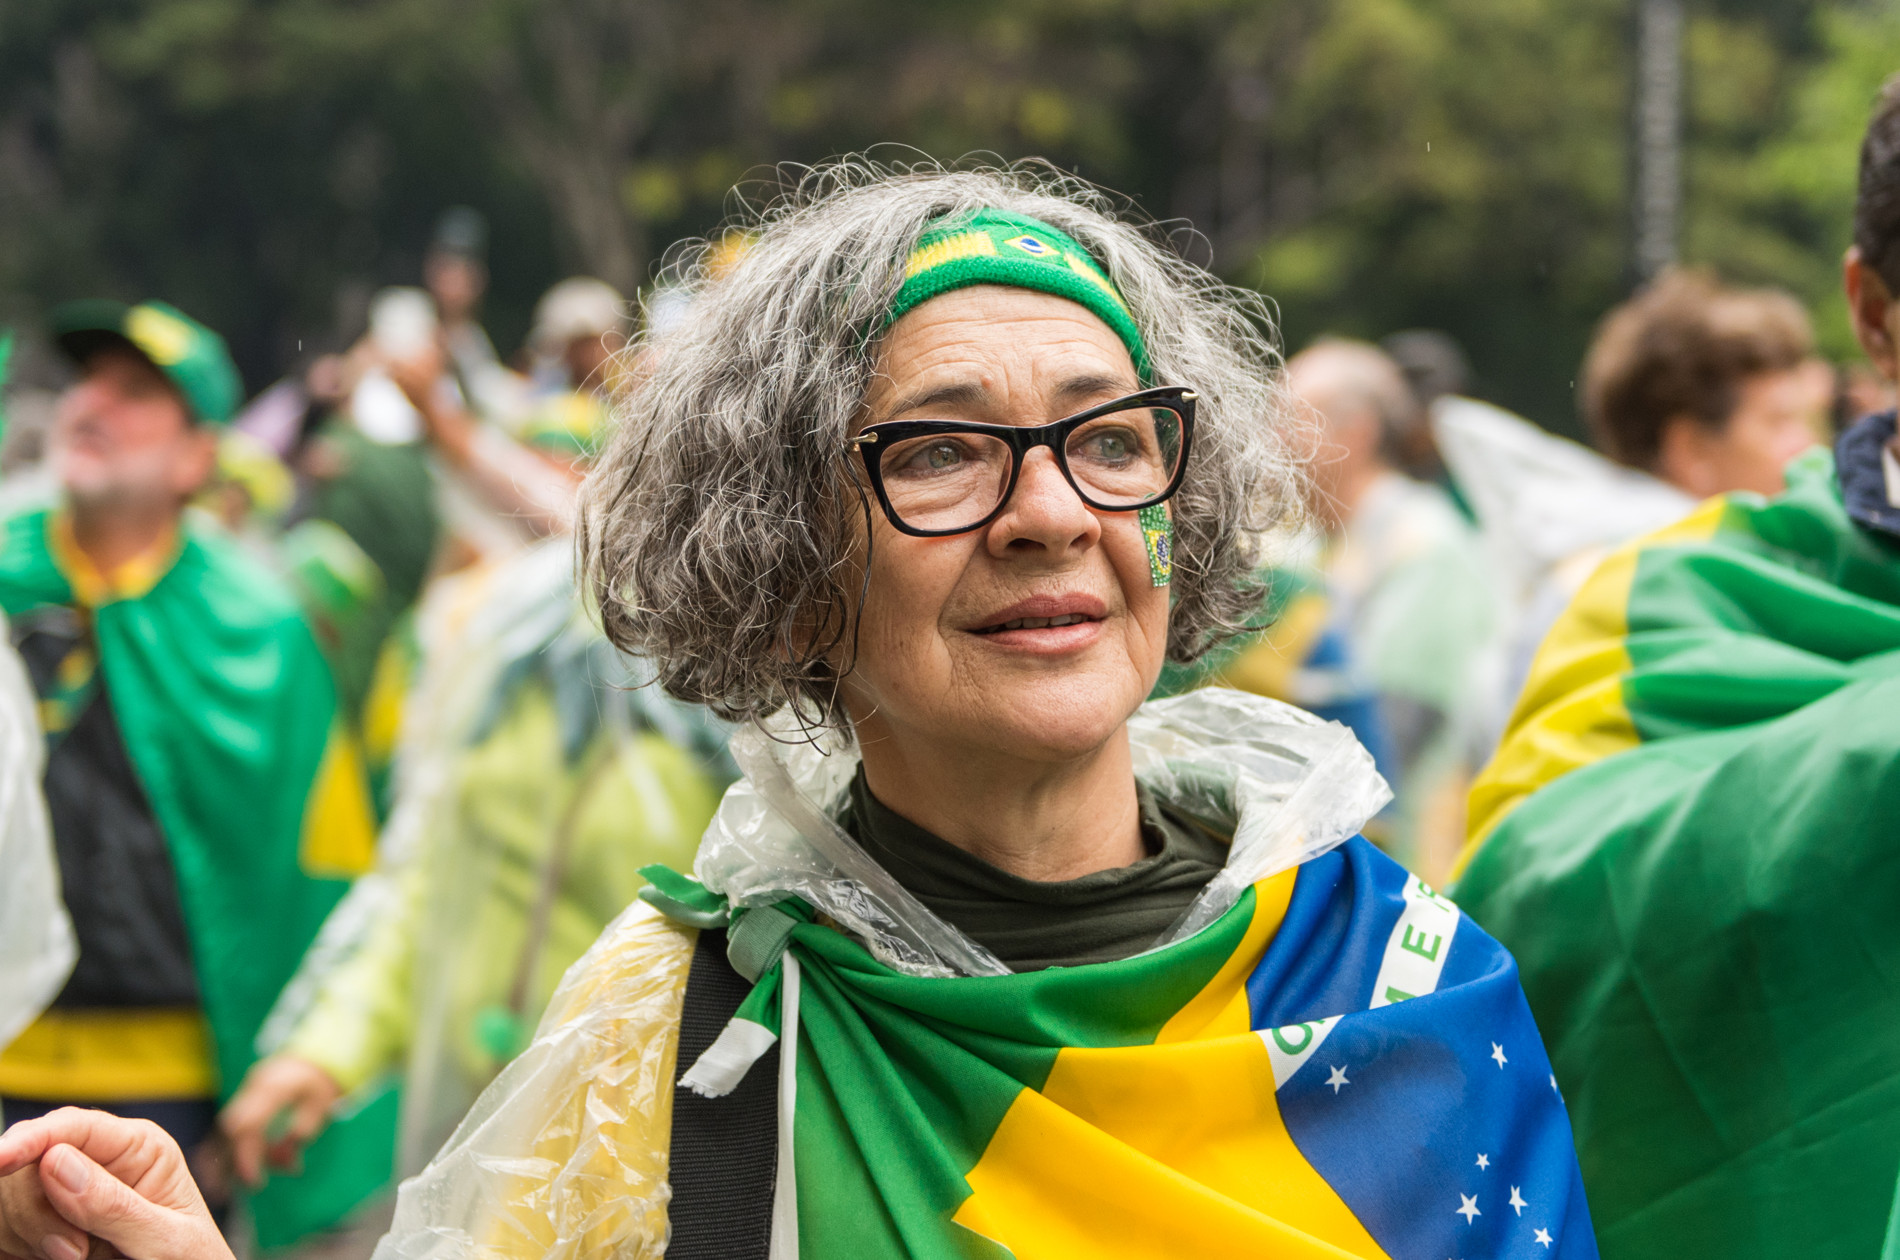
190,355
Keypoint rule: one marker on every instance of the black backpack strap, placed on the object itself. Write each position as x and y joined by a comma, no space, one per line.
724,1150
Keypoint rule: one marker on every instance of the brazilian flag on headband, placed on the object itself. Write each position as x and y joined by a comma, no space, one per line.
229,716
1341,1065
1690,840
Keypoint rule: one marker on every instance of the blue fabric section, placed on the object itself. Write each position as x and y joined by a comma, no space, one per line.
1863,481
1436,1119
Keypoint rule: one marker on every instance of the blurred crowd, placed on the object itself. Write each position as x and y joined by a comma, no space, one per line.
445,782
435,725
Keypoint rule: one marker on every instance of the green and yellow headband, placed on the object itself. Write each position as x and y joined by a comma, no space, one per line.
990,247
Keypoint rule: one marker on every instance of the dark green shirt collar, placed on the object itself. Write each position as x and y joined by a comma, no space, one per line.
1029,924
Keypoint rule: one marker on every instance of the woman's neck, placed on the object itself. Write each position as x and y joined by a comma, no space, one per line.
1036,820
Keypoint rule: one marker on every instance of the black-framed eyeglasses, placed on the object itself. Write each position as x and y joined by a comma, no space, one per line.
938,477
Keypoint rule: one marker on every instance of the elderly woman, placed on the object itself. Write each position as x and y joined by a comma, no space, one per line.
984,957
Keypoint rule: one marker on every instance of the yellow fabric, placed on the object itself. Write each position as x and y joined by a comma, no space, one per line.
339,822
1572,711
93,586
1221,1009
593,1179
1268,666
111,1056
388,692
450,945
1173,1149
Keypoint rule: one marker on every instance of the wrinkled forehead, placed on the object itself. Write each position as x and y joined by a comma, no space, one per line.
995,343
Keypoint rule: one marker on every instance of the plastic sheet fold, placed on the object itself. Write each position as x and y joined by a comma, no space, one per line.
565,1153
1287,785
37,949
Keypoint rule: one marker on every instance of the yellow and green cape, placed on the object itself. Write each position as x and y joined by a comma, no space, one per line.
228,713
1687,839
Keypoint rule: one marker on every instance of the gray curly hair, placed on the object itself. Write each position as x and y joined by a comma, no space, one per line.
717,529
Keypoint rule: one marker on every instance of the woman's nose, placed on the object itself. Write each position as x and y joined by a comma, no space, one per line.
1044,509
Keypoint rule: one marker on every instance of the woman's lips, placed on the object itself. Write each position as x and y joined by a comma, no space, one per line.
1050,640
1046,623
1037,623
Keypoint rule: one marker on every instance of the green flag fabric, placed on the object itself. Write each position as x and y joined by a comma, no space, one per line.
1321,1060
1687,841
228,713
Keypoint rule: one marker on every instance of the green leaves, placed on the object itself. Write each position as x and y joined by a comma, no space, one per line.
1372,164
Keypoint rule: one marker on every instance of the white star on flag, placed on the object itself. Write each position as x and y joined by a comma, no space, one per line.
1518,1201
1497,1052
1468,1208
1337,1079
1484,1161
1542,1236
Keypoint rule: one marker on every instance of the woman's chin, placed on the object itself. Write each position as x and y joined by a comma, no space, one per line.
1055,720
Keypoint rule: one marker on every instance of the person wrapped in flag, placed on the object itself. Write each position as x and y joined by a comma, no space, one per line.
1687,836
986,955
207,804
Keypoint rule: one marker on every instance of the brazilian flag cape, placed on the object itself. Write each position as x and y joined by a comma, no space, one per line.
229,715
1688,840
1339,1065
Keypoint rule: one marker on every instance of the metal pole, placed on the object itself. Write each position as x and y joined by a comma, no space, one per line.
1658,133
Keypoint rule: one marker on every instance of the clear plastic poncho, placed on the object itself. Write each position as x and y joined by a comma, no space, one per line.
37,949
530,751
565,1154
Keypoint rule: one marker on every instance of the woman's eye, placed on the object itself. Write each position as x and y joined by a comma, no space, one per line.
1111,448
940,455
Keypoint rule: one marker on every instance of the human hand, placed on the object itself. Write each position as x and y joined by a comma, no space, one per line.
273,1087
80,1183
419,376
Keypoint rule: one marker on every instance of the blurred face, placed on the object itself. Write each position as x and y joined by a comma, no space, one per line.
122,437
1039,634
1777,416
587,357
456,284
1344,444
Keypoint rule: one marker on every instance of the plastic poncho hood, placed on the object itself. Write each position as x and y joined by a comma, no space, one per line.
1287,785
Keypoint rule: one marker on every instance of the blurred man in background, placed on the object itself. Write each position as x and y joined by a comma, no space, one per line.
1690,389
455,273
580,326
1710,388
1409,581
1686,837
207,810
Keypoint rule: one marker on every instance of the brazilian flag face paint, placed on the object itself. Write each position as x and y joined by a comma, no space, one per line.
1157,532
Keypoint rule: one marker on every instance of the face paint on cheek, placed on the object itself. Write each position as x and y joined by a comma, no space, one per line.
1157,533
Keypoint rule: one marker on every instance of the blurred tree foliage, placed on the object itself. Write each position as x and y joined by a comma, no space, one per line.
1370,164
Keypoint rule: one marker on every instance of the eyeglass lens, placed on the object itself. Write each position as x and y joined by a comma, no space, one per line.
949,481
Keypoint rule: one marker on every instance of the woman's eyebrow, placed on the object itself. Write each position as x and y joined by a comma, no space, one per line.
961,395
1083,388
